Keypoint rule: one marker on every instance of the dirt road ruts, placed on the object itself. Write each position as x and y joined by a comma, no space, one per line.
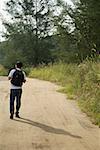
48,120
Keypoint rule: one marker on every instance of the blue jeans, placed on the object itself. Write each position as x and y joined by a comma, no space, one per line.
15,94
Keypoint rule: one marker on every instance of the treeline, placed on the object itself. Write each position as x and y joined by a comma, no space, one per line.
46,31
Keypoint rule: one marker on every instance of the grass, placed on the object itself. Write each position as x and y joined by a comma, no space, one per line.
80,82
3,71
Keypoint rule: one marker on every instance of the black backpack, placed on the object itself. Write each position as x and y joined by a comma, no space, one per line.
18,78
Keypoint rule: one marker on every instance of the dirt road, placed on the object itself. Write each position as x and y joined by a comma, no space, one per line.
49,121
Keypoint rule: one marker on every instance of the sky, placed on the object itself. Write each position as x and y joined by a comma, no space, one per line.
3,15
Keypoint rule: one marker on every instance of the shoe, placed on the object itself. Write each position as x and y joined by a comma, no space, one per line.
11,116
17,115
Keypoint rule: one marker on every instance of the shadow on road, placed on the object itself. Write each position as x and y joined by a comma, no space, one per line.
47,128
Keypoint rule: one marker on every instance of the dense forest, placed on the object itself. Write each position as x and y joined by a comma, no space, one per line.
44,31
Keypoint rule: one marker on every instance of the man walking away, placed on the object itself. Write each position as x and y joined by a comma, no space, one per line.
17,77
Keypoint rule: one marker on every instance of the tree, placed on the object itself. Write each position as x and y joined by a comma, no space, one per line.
66,40
87,22
84,20
8,55
31,24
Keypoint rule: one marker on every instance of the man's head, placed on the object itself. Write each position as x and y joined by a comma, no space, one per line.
19,64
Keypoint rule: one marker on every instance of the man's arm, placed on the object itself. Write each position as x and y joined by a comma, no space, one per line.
24,77
11,74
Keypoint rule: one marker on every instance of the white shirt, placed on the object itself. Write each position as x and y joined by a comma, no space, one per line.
11,75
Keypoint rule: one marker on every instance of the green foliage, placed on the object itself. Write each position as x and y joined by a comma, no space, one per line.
29,31
79,26
3,71
89,89
81,82
9,56
41,35
27,70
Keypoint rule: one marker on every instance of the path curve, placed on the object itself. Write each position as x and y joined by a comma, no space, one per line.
49,121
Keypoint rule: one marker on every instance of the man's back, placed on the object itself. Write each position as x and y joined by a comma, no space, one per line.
17,77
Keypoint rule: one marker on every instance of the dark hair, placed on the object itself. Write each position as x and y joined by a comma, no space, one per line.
19,64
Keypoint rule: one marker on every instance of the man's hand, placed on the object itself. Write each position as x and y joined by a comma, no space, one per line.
9,78
24,80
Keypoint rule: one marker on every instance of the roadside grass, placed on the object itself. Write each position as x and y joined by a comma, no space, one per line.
80,82
3,71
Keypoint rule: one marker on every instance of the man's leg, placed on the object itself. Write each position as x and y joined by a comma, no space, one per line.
12,98
18,101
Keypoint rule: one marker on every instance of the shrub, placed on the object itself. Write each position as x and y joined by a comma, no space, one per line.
3,71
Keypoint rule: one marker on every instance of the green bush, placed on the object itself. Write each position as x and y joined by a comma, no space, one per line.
89,91
3,71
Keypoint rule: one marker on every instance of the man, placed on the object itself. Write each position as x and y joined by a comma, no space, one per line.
17,78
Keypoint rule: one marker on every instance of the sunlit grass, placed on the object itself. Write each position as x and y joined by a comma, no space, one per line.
3,71
80,82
